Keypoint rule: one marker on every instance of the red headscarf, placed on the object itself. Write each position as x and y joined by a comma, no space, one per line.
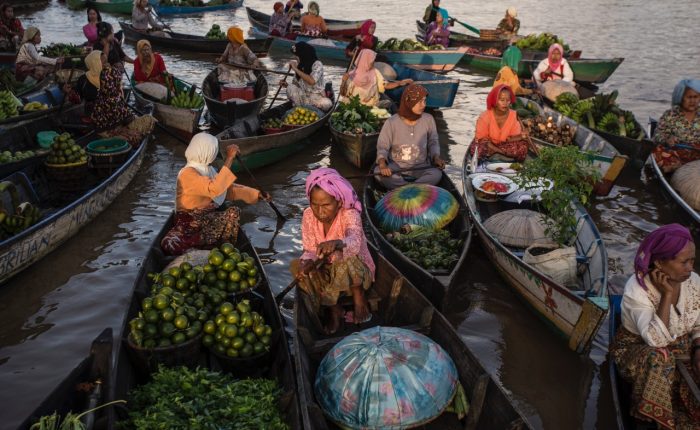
364,29
554,67
492,98
410,97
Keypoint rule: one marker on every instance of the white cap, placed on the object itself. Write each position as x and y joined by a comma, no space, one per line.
512,12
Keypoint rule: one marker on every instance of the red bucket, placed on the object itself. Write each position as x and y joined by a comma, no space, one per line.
228,91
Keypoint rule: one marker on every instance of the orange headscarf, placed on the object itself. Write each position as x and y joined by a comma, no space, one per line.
235,34
147,61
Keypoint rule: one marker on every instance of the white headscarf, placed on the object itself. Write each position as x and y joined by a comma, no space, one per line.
512,12
200,153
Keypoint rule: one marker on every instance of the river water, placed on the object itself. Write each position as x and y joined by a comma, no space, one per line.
50,313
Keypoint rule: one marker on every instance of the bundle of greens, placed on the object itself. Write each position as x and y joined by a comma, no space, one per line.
600,112
540,42
62,50
395,44
355,118
430,249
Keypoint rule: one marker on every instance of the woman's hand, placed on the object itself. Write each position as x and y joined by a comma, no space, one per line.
345,77
231,152
405,82
283,84
438,162
329,247
662,282
384,169
305,266
264,196
293,65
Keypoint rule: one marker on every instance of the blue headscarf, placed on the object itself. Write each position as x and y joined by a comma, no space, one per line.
693,84
445,17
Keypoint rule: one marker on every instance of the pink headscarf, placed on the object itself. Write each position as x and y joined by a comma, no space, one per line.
364,76
330,181
661,244
554,67
364,28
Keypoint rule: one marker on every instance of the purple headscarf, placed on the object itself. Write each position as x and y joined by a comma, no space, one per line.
664,243
330,181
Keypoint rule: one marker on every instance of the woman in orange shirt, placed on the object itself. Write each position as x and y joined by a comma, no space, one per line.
313,24
201,218
498,129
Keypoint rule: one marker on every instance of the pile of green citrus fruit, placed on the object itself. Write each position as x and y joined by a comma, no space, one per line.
230,270
64,150
237,331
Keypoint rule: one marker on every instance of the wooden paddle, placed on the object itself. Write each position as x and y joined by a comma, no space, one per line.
158,20
533,147
257,185
413,169
465,25
317,265
258,69
65,96
279,89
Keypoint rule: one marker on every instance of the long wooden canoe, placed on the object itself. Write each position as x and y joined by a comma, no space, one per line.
460,39
45,92
110,6
432,284
396,302
72,394
440,60
190,42
189,10
336,28
127,376
441,89
689,216
574,313
183,121
225,114
262,149
359,149
62,218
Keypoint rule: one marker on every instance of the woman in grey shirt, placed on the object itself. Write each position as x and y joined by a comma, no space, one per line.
409,140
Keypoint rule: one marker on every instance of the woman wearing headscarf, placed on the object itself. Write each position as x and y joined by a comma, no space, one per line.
366,82
498,130
409,140
308,86
293,5
280,21
110,108
438,32
679,125
201,218
313,24
331,230
88,85
365,40
431,12
508,75
149,66
29,62
90,29
110,47
661,320
11,30
237,52
142,19
509,25
554,67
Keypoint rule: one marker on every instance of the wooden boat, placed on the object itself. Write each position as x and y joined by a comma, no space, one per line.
460,39
574,313
64,213
72,394
225,114
127,376
690,216
587,70
188,10
359,149
46,92
184,121
336,28
432,284
440,60
605,157
189,42
441,89
396,302
621,391
110,6
264,149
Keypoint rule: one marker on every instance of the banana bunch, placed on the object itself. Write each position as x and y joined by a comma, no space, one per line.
34,106
25,214
187,100
8,105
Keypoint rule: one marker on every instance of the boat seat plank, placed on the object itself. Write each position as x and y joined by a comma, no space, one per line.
372,298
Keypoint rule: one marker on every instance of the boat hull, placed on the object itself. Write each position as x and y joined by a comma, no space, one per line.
338,29
225,114
118,6
441,89
190,10
359,149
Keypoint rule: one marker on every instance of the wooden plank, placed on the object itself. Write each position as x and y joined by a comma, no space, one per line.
680,365
476,402
592,314
393,299
606,183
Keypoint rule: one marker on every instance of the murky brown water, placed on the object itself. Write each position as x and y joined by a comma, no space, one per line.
51,312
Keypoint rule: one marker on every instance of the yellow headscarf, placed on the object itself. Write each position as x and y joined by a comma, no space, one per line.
235,34
93,62
147,62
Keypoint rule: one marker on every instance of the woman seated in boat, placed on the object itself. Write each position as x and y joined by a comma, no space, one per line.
498,131
149,66
367,82
237,52
11,30
409,140
313,24
108,44
202,220
553,68
331,230
308,86
88,85
508,75
29,62
142,18
110,109
660,321
679,125
90,29
280,21
509,25
365,40
431,12
438,32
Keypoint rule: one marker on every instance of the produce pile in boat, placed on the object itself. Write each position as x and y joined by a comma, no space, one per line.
546,129
12,157
64,150
8,105
525,110
237,331
491,52
395,44
430,249
600,112
188,99
355,118
215,32
34,106
21,215
540,42
61,50
300,116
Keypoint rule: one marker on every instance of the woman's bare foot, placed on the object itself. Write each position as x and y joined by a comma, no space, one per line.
335,315
361,307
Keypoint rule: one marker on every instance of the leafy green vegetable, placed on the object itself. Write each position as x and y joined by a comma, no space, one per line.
355,118
430,249
600,112
61,50
540,42
180,398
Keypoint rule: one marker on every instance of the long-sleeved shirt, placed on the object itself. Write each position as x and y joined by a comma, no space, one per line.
487,127
437,35
279,22
542,72
142,18
409,145
639,312
347,226
674,124
28,54
195,191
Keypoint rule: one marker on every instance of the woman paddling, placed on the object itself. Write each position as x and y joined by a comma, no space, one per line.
331,229
554,75
142,18
237,52
365,40
509,25
660,321
438,32
680,124
201,218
